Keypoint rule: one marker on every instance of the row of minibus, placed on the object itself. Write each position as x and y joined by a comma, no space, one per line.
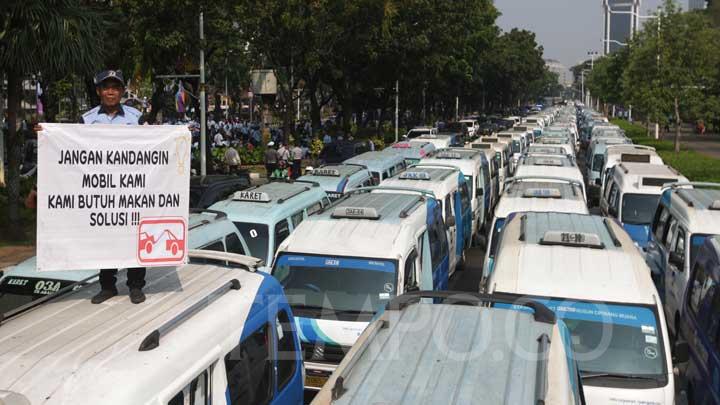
347,290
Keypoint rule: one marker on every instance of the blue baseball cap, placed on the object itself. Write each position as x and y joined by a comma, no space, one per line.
109,75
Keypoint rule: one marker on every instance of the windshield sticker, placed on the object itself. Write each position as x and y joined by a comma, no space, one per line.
384,296
388,287
651,339
253,233
339,262
597,312
648,330
650,352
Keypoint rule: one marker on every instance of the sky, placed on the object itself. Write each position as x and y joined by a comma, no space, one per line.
567,29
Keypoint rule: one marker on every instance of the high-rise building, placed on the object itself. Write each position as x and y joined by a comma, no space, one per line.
696,4
621,23
556,67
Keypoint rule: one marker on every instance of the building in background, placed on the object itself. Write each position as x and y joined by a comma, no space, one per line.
563,73
696,4
621,23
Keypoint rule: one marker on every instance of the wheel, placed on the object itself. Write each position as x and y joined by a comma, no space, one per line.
148,247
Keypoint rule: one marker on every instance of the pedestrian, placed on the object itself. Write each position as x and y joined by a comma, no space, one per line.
297,155
283,154
232,160
219,139
327,139
271,159
371,145
110,86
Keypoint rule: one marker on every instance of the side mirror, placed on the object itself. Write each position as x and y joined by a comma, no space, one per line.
681,351
677,260
450,222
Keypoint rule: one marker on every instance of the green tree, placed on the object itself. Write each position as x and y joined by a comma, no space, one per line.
672,67
52,37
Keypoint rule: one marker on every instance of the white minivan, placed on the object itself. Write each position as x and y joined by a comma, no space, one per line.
587,269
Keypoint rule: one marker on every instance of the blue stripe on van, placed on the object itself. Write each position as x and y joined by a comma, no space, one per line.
341,185
310,332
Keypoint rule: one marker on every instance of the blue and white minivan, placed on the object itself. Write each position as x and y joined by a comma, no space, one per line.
381,165
412,152
474,165
265,215
687,214
338,179
632,196
341,267
698,339
449,187
207,333
587,269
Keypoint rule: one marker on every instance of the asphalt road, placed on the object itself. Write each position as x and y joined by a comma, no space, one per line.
468,279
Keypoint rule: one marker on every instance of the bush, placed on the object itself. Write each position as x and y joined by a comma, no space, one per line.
693,165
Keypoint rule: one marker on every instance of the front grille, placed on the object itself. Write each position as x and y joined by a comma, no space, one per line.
323,352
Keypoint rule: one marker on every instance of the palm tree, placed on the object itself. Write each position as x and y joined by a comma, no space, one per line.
46,37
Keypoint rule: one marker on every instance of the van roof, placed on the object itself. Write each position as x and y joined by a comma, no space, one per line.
438,180
375,159
377,236
568,172
696,207
556,161
407,364
645,178
445,154
269,201
612,273
70,351
539,196
332,174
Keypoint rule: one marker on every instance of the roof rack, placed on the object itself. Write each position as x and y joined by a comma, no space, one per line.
624,169
287,197
218,215
30,305
310,182
424,193
152,340
555,178
541,312
694,184
542,369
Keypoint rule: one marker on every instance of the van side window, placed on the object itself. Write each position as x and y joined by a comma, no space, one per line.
614,198
216,246
325,201
249,370
448,207
195,393
464,196
486,175
660,222
282,231
700,287
286,350
233,244
669,232
297,218
680,245
314,208
438,239
410,273
367,183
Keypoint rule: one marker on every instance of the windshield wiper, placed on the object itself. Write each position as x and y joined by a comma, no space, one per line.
589,376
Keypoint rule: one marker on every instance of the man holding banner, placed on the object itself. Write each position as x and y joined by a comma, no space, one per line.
110,87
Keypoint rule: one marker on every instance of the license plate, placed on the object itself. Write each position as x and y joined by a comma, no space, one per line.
315,381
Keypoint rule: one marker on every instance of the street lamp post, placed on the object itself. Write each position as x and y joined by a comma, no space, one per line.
397,107
203,125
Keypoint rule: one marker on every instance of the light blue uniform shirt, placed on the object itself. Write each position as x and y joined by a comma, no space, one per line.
126,115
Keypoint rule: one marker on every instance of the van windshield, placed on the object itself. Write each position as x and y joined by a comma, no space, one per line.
336,288
639,209
617,340
257,238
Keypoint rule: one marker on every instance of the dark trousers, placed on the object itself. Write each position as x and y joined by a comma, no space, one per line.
135,278
270,168
296,168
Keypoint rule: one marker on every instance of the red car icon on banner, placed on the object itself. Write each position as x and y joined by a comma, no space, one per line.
162,241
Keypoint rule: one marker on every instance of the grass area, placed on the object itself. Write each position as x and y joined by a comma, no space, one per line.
693,165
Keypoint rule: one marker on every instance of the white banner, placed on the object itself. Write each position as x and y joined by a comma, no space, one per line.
112,196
